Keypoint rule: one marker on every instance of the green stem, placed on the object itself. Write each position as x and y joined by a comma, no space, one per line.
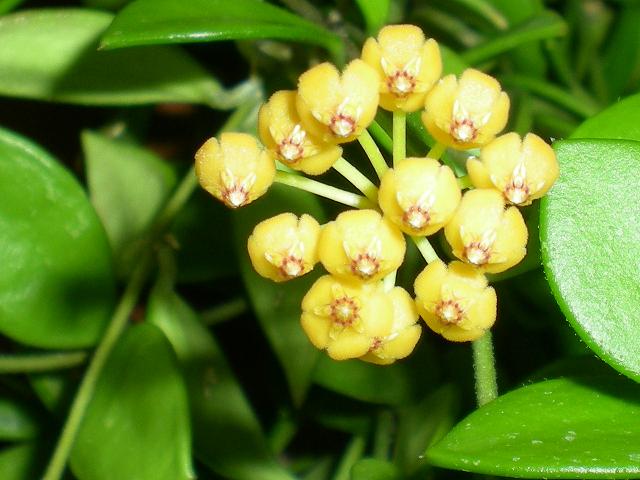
357,179
56,466
464,182
282,433
425,248
383,433
40,362
225,311
399,136
437,150
327,191
381,136
352,454
373,152
485,369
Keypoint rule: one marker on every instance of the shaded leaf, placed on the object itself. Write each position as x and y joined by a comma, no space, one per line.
17,420
622,56
20,462
375,13
619,121
591,245
566,428
137,424
374,469
56,284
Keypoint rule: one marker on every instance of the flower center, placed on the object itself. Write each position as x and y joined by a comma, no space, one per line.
449,311
517,191
291,266
401,83
463,130
416,217
235,196
291,148
365,265
376,343
342,124
477,253
344,311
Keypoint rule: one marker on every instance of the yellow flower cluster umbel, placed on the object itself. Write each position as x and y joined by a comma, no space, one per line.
355,310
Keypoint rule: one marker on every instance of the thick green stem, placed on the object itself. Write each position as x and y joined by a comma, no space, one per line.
357,179
437,150
353,453
323,190
399,137
40,362
381,136
225,311
425,248
485,369
373,152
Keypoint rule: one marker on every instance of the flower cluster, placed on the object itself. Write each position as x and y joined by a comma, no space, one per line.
356,311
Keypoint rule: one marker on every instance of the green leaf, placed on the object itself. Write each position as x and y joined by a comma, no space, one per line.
578,427
8,5
51,55
152,22
591,245
374,469
20,462
227,435
622,56
542,26
277,305
375,13
56,283
619,121
137,424
17,420
128,185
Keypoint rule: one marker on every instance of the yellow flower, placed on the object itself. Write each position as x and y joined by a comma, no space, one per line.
282,132
361,245
419,195
523,170
334,107
483,233
284,247
408,66
345,318
404,335
235,169
467,113
455,301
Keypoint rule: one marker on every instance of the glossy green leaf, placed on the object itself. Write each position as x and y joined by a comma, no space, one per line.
622,56
17,420
128,185
619,121
20,462
51,55
375,13
374,469
152,22
227,435
56,284
277,305
137,424
577,427
542,26
591,245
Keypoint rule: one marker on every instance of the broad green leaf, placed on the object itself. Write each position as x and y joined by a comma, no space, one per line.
622,56
128,185
51,55
591,245
106,4
542,26
17,420
227,435
374,469
577,427
152,22
8,5
56,284
21,462
55,390
619,121
375,13
277,305
484,9
137,424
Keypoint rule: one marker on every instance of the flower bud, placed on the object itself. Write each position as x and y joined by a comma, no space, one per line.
361,245
235,169
282,133
284,247
419,195
345,318
404,335
455,301
408,66
334,107
486,235
466,113
523,170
